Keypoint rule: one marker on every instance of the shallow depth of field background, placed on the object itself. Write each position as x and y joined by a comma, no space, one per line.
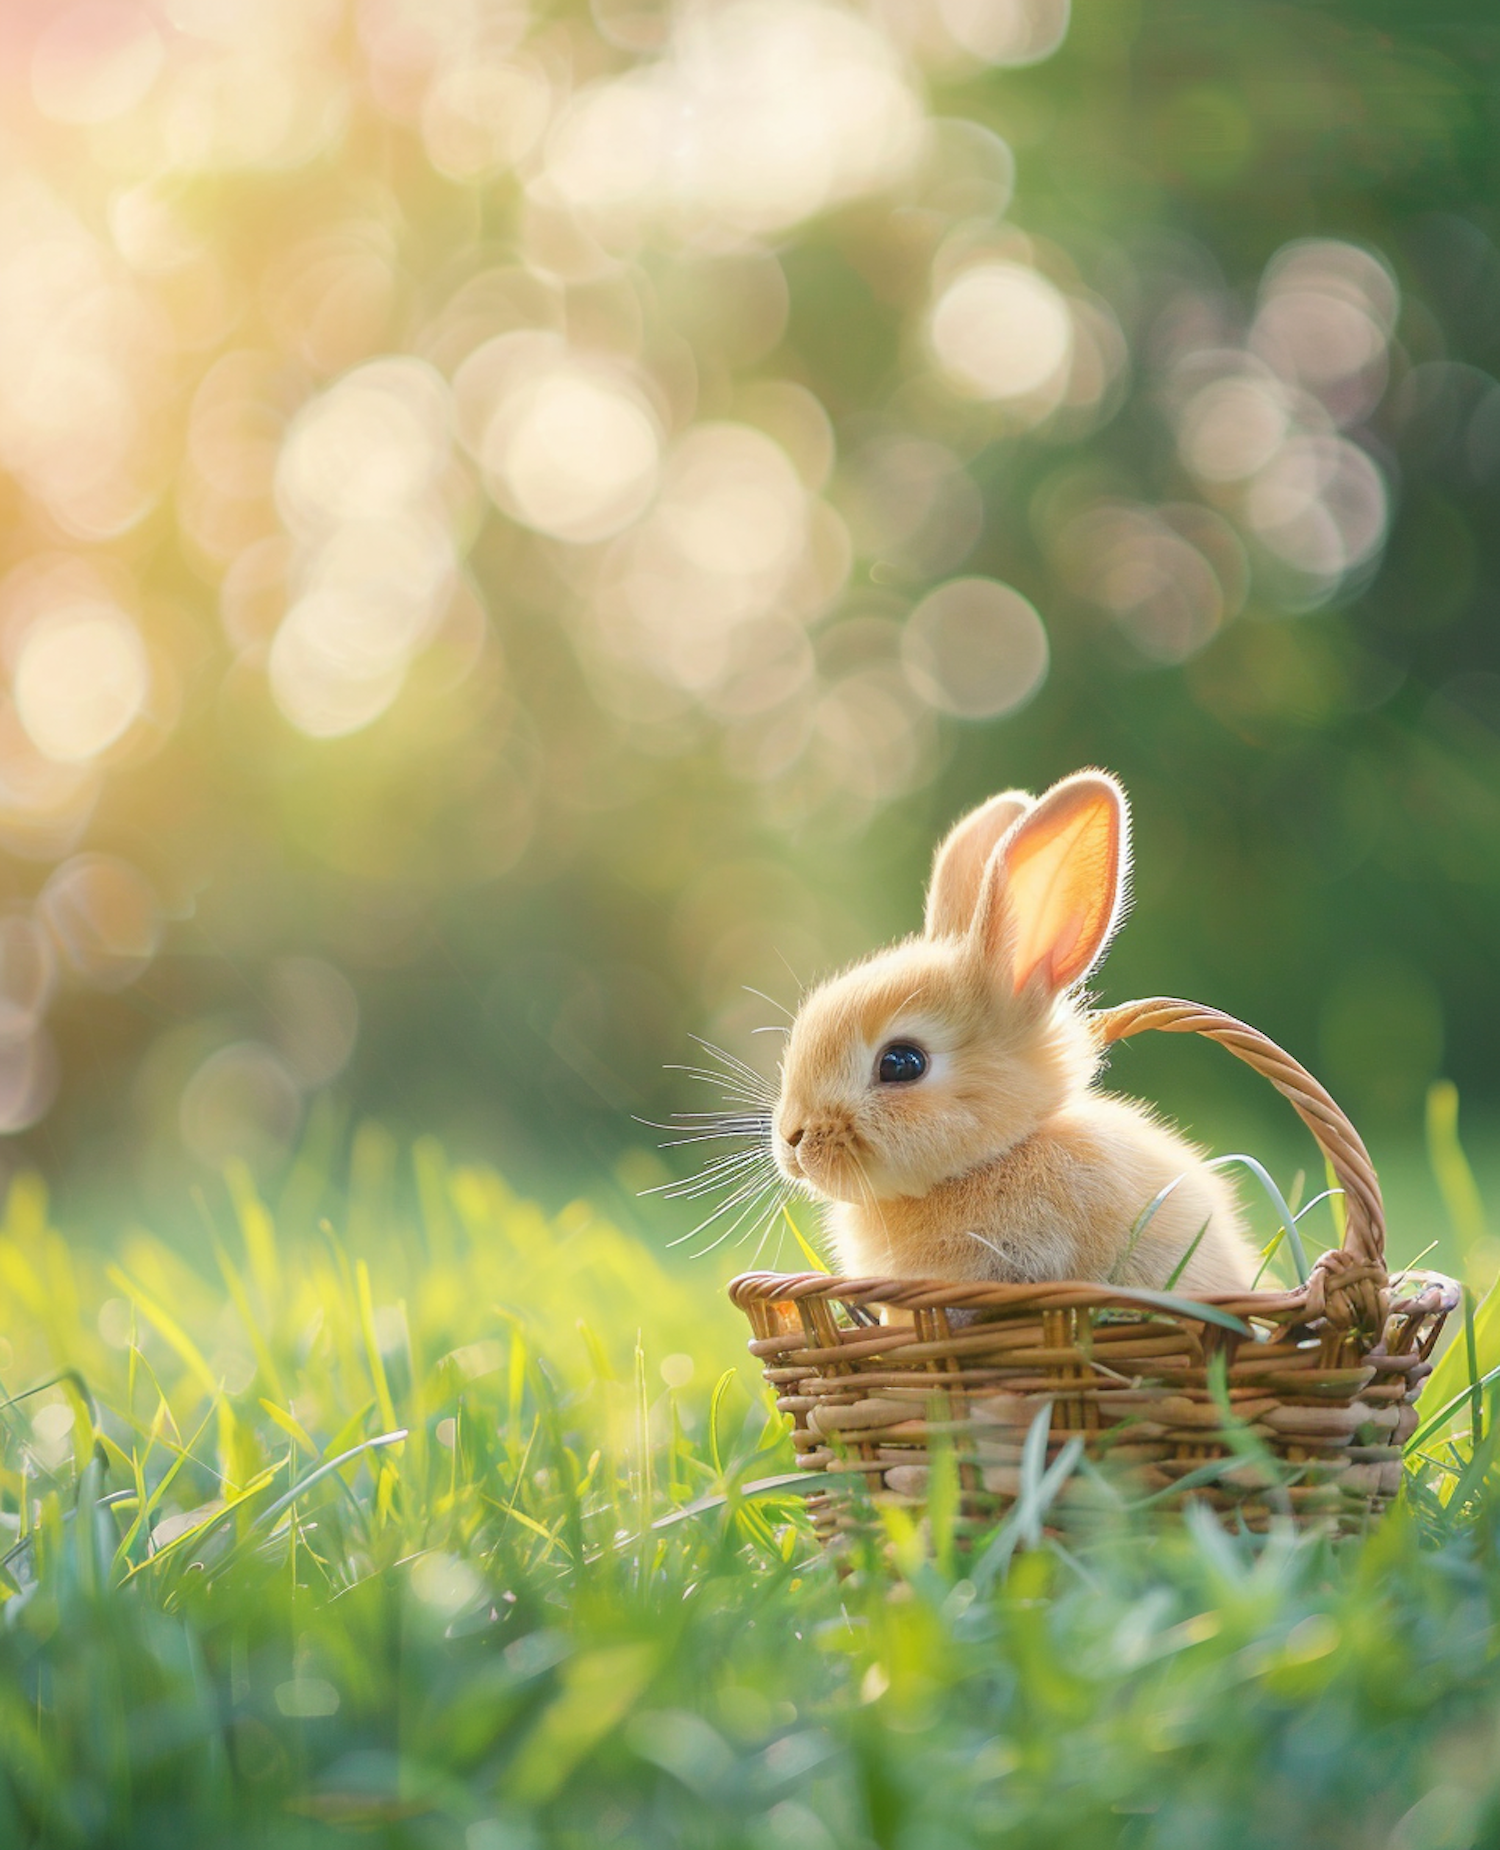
518,529
521,523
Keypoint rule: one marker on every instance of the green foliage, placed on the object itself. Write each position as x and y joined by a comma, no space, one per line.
411,1539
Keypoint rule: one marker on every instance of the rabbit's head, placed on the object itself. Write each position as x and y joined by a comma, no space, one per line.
945,1051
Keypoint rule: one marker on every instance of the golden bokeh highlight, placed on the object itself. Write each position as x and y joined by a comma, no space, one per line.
80,680
1002,332
762,113
975,648
103,918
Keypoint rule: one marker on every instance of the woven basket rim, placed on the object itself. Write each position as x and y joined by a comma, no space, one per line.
1436,1291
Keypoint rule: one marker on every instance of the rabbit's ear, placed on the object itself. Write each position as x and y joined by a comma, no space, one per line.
959,864
1055,888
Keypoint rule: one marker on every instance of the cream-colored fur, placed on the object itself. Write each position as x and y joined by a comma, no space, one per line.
1003,1161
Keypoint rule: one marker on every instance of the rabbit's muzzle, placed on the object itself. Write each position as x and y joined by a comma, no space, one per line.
818,1149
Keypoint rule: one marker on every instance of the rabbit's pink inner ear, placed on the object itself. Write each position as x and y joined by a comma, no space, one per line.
1065,876
958,867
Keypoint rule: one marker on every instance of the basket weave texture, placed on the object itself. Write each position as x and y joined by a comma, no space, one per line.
1320,1387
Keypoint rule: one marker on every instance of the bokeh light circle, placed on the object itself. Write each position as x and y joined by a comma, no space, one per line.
573,453
81,680
763,113
103,917
975,648
1002,332
241,1104
369,446
95,61
1319,506
28,974
315,1017
1231,427
1006,32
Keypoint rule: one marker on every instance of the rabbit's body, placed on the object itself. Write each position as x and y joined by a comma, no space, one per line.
941,1095
1062,1203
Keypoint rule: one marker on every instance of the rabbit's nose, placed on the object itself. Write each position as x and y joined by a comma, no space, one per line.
795,1137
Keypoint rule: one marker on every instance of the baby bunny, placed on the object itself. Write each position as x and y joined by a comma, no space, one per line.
941,1095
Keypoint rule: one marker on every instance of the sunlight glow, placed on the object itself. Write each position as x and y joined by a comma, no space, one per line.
975,648
572,453
82,678
1319,505
28,975
95,61
765,112
1232,427
1006,32
1170,577
1003,332
103,917
358,482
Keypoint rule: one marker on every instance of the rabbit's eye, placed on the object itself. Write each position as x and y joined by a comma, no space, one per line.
900,1064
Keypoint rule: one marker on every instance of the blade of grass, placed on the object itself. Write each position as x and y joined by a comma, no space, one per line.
814,1259
1268,1253
372,1347
1183,1263
1188,1307
1471,1353
715,1405
1336,1208
168,1328
1261,1174
1450,1167
1446,1412
1277,1200
269,1517
1451,1380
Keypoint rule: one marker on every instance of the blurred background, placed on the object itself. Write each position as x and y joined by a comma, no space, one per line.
522,522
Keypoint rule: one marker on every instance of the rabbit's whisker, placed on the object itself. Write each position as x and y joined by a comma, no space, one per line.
702,1133
711,1123
780,1007
774,1218
744,1081
744,1198
872,1201
712,1160
736,1114
742,1112
731,1061
747,1212
778,1194
744,1164
738,1186
730,1084
758,1128
760,1100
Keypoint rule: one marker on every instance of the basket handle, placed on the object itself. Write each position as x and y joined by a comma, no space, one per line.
1364,1213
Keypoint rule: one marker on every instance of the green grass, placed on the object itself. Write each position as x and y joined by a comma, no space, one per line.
241,1611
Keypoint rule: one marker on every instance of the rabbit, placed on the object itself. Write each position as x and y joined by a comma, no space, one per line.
942,1096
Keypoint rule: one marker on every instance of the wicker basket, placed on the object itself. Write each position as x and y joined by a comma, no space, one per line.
1321,1381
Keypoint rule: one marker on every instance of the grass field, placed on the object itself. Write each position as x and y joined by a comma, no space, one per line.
240,1610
